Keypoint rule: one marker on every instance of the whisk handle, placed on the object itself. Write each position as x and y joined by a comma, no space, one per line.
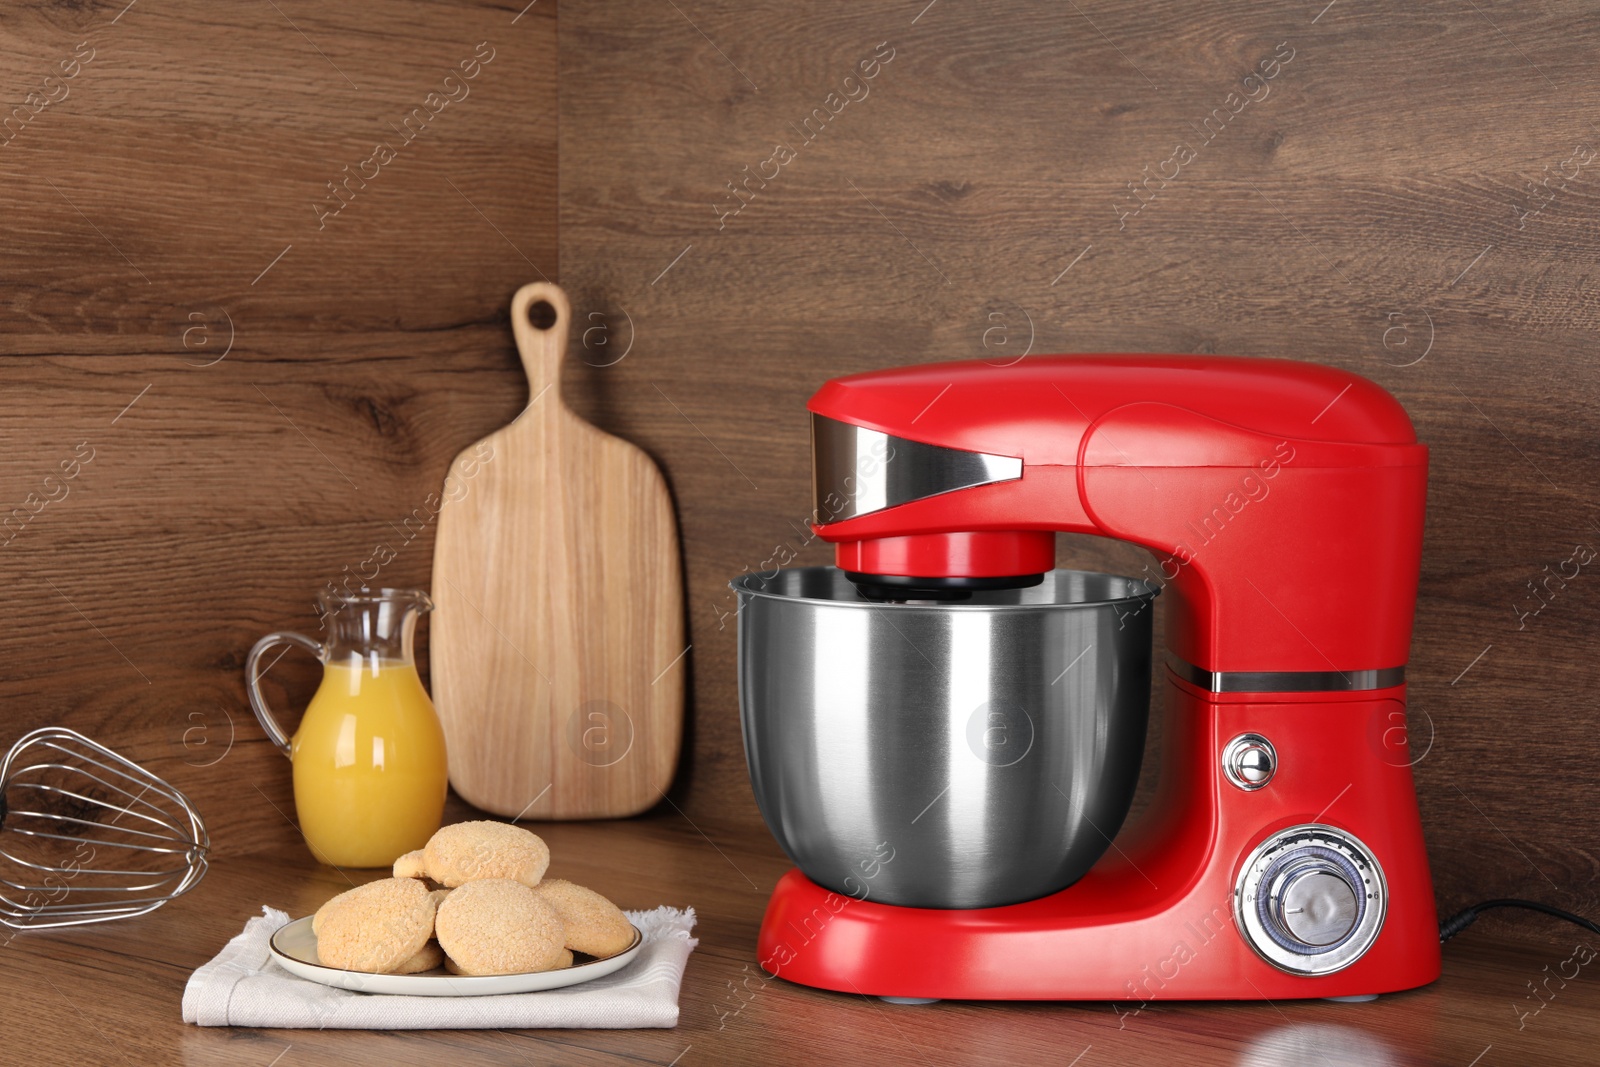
252,680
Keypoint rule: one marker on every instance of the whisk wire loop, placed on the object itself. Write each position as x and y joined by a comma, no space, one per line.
79,795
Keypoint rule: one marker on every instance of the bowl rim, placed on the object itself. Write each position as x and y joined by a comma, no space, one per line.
742,586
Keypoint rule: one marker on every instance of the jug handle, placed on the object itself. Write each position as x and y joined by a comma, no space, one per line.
252,681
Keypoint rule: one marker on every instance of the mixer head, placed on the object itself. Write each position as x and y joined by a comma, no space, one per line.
88,836
856,470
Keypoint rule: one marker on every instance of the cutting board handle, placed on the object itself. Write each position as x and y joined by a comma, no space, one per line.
542,349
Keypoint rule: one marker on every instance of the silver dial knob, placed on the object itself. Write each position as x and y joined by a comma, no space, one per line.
1313,903
1249,761
1310,899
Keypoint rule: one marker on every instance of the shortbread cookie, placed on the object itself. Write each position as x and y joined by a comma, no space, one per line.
411,865
467,851
426,959
500,926
593,924
322,912
376,927
565,962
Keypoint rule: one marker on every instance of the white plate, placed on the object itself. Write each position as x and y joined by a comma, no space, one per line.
294,946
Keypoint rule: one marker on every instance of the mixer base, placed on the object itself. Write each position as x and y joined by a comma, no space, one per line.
1061,947
1154,918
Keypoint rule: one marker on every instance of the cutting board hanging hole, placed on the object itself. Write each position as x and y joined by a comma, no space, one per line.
542,315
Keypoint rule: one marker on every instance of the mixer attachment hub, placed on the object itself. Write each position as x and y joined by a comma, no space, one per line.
899,587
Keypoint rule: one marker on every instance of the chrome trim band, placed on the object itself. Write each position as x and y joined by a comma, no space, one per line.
1285,681
855,471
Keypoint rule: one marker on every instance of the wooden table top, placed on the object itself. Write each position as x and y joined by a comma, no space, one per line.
112,994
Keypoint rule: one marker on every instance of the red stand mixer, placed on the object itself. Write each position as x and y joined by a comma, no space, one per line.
1282,855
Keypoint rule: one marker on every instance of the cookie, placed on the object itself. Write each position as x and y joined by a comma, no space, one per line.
426,959
410,865
593,924
322,912
467,851
566,961
376,927
438,896
500,926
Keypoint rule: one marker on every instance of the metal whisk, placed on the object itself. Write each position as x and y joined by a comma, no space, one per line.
87,836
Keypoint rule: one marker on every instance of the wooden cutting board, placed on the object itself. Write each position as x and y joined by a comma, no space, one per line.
557,644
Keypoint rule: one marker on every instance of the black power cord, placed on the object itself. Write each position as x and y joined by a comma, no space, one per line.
1461,920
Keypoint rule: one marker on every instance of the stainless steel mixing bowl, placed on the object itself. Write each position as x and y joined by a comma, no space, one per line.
944,755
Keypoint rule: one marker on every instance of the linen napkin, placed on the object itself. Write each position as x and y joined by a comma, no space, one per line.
244,986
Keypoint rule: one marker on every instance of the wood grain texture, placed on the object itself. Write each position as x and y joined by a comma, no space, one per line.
112,995
558,636
269,396
1384,207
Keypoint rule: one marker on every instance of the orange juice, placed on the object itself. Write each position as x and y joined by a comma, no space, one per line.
369,764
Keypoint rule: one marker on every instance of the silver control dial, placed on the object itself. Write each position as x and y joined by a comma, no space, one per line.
1310,899
1249,761
1314,903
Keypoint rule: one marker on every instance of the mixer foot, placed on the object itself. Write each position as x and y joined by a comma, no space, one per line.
909,1000
1359,998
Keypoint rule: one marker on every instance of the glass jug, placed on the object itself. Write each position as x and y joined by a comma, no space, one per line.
369,757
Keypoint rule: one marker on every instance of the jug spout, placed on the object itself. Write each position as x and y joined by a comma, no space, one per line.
371,623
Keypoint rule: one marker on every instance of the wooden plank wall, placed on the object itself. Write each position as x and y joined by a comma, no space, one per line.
1389,198
174,198
1392,201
